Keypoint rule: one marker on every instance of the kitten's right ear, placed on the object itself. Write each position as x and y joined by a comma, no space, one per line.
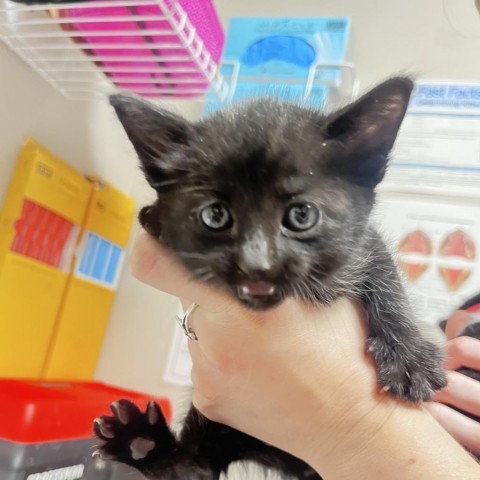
153,132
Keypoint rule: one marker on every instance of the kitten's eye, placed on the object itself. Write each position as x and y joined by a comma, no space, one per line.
300,217
216,217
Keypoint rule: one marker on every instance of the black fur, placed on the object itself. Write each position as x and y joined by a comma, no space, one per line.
257,159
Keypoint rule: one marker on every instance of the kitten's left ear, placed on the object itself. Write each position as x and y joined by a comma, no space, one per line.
365,131
153,133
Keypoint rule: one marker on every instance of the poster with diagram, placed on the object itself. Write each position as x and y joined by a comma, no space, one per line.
429,204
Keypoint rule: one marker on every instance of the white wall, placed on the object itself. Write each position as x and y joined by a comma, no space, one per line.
389,36
29,106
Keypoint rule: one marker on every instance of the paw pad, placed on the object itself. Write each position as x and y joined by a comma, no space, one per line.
132,436
140,447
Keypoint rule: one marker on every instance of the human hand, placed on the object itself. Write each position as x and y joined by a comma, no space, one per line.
461,392
296,377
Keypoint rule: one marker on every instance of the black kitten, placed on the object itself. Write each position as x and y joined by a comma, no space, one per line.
269,200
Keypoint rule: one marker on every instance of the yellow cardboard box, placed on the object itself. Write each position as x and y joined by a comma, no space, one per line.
39,226
90,292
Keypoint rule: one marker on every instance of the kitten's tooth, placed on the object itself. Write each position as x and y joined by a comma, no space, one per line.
243,292
140,447
256,289
386,388
152,413
120,412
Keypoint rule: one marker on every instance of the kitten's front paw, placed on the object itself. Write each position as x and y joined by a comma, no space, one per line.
131,436
409,372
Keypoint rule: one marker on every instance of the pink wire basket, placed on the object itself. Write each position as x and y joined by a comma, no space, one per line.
154,48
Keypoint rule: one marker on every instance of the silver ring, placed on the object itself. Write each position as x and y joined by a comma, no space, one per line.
183,322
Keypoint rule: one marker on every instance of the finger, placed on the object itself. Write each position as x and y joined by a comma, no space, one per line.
462,352
465,430
155,265
456,323
461,392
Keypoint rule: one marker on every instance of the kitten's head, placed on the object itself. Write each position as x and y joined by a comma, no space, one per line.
266,199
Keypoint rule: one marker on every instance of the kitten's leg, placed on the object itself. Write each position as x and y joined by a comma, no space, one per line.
409,367
203,451
223,445
144,441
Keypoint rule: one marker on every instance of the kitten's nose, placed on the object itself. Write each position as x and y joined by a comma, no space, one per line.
255,257
253,271
257,265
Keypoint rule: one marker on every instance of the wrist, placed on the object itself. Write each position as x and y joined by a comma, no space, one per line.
349,419
354,437
388,440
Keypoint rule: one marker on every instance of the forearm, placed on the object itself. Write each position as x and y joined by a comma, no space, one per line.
395,442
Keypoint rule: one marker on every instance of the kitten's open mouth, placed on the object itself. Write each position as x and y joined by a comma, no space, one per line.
259,295
256,289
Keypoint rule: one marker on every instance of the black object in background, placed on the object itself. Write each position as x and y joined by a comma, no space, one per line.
471,330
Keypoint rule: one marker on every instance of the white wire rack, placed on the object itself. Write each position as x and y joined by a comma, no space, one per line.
337,79
83,53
